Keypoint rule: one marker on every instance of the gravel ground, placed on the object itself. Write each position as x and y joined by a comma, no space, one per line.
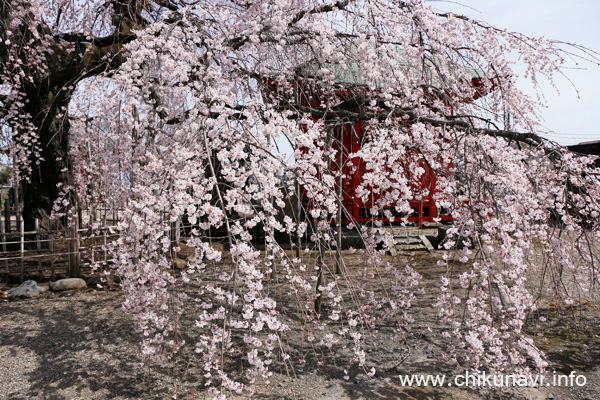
71,346
80,345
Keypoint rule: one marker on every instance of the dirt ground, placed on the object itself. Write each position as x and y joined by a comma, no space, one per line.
80,345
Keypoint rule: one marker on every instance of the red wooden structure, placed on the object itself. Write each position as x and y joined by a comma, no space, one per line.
352,136
423,206
424,209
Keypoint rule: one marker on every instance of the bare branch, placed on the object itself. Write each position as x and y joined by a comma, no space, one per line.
116,38
340,5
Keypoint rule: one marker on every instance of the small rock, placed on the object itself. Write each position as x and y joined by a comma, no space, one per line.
182,263
218,246
27,289
68,284
94,281
551,396
178,263
110,280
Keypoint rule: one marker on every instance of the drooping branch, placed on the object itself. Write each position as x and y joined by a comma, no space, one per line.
173,165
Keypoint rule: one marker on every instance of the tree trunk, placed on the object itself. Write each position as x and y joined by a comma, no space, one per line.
52,166
46,99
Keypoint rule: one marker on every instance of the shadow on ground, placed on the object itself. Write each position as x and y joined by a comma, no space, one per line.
80,346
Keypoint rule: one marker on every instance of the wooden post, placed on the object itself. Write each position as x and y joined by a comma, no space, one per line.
177,232
67,237
22,249
167,219
92,245
77,250
77,272
38,246
79,216
92,237
17,205
74,260
7,218
51,247
104,229
4,246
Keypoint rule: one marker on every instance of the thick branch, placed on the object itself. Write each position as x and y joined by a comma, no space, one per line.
167,4
95,60
337,114
340,5
116,38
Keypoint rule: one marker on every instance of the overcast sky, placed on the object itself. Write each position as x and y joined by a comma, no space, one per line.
574,113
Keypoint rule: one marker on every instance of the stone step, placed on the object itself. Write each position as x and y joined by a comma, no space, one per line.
410,243
403,232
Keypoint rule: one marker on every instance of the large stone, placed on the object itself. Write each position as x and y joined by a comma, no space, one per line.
182,263
68,284
178,263
218,246
27,289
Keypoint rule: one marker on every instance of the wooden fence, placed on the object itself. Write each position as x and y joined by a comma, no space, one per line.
55,248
